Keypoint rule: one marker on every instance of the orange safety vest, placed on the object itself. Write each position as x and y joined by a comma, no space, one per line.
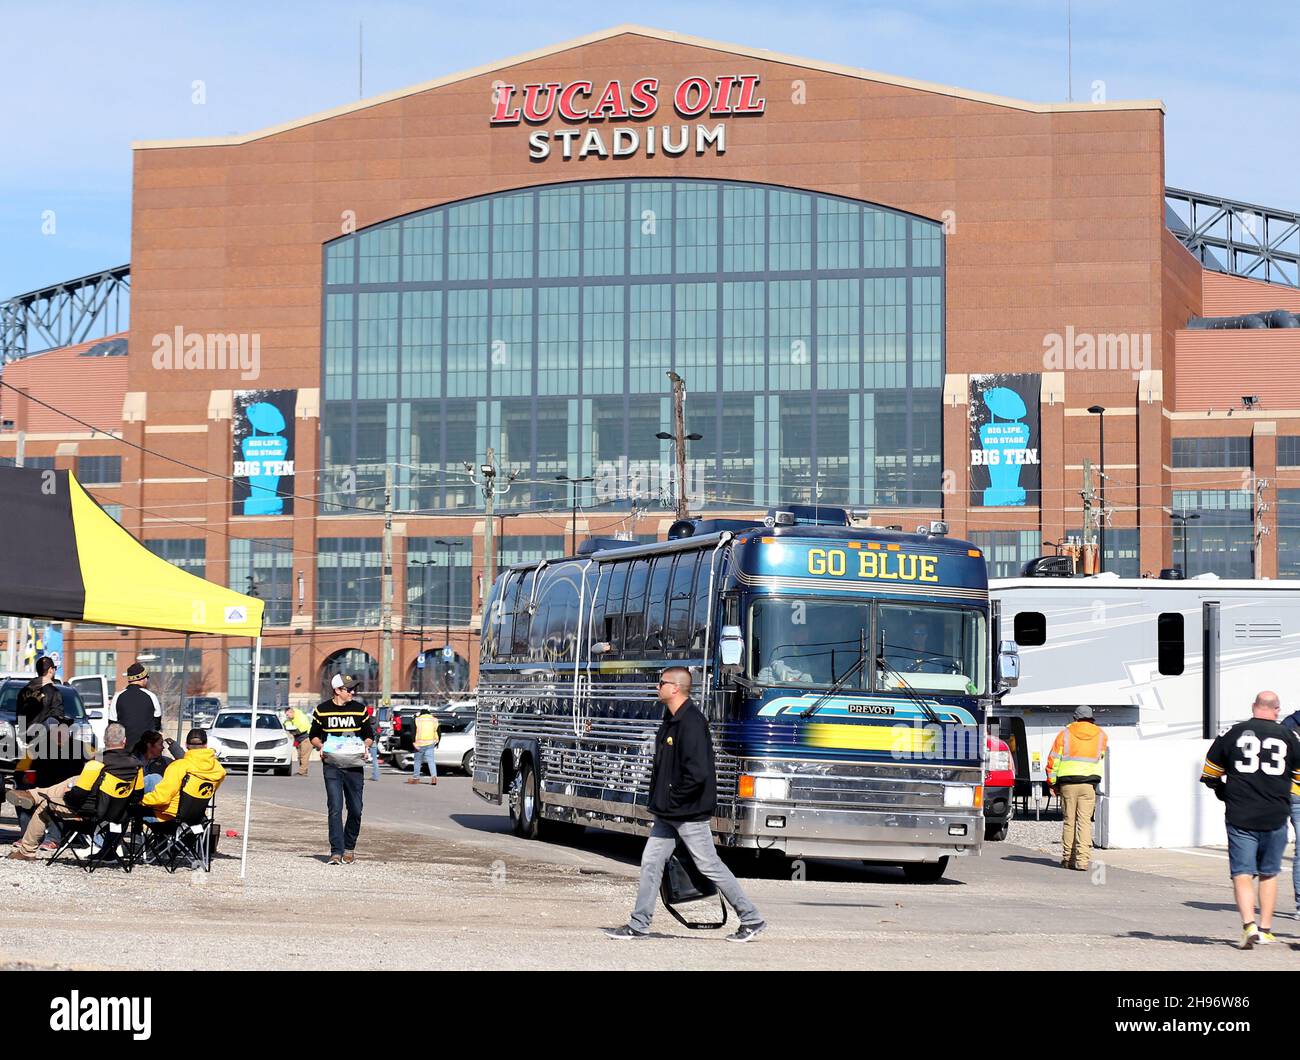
1078,752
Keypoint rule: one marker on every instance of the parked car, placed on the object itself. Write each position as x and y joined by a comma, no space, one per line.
201,710
10,744
229,736
455,736
999,781
96,696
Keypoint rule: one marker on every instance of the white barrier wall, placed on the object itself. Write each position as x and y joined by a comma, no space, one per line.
1155,796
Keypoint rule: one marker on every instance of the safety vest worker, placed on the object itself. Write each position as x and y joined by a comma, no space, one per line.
297,722
426,730
1075,769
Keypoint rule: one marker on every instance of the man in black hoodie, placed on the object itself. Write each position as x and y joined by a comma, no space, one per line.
683,796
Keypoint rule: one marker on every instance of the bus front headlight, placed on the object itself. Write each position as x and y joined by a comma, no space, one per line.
959,795
764,789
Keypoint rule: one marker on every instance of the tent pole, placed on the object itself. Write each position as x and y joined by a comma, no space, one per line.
185,677
252,740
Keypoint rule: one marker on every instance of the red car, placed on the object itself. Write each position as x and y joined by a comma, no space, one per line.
999,782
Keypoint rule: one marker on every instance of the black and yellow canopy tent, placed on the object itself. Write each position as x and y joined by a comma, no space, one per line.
63,557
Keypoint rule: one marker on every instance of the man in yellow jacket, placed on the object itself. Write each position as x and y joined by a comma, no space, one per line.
298,725
1075,769
200,761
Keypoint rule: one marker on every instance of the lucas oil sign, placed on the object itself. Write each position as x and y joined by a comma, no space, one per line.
1005,470
615,120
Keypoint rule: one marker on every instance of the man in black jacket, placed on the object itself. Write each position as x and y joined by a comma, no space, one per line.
135,707
683,796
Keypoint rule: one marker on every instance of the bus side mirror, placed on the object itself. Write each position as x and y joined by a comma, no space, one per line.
731,646
1008,664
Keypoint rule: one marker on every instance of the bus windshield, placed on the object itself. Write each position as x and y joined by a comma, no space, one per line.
812,643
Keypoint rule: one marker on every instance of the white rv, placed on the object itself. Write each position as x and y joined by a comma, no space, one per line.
1165,664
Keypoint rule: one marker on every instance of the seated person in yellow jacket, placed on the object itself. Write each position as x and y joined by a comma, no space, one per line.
121,777
199,761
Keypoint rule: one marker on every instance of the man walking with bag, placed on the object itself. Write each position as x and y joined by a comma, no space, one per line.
683,795
341,731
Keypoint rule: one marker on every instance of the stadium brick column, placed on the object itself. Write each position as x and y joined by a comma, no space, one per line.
956,454
1051,456
1264,465
1155,541
303,664
216,513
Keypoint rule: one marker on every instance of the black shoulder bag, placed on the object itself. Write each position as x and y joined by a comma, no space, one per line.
683,882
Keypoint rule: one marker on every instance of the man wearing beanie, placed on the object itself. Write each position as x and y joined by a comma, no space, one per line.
1074,768
135,708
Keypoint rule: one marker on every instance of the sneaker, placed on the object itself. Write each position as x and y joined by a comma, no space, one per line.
1265,938
627,931
49,846
1079,868
18,855
349,858
1066,865
1249,937
748,932
335,860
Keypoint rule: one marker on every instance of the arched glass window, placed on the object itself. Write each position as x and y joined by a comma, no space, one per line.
808,328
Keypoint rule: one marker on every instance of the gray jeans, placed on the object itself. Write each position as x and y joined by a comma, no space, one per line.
699,841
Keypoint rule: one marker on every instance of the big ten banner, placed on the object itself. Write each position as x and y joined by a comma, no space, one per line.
263,452
1005,470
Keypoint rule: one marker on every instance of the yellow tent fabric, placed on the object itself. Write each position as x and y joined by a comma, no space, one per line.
127,585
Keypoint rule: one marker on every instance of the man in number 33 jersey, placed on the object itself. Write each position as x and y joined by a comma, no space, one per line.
1254,767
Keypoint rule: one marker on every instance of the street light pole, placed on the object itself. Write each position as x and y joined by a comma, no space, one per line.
1182,522
679,438
574,483
1100,412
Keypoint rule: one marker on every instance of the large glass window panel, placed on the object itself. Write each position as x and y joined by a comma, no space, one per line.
739,443
421,344
834,444
884,240
559,241
744,221
1222,540
789,231
789,335
744,308
378,254
884,327
467,241
1288,533
695,228
557,340
265,565
348,575
338,346
512,341
696,342
838,328
377,345
422,237
512,236
652,229
839,234
602,340
650,323
796,426
604,229
467,343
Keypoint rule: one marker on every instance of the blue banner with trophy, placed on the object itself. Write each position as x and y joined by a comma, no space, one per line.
1005,469
263,438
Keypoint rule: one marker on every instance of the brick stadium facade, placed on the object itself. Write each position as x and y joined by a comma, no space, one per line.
1032,233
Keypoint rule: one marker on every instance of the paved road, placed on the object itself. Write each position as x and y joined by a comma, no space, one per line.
440,882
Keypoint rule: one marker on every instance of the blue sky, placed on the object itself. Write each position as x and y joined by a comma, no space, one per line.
80,81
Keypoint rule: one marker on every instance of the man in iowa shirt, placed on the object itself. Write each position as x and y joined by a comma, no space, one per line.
1254,767
338,722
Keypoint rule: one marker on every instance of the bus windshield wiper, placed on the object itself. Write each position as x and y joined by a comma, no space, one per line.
907,689
838,685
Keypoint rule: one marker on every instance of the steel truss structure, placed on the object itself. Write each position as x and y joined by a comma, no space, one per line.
1238,238
65,313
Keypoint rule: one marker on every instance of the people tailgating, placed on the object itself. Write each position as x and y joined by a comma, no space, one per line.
200,762
135,707
341,731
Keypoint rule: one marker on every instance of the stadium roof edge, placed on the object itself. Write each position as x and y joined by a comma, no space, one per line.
662,35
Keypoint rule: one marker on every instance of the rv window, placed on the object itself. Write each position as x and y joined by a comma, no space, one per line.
1031,629
1169,638
700,606
522,617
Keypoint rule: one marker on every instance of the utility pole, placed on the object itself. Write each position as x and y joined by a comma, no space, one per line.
485,478
12,659
386,600
679,439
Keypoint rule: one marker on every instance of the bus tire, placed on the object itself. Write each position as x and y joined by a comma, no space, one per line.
925,871
528,818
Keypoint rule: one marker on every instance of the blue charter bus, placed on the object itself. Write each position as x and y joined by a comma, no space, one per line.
846,673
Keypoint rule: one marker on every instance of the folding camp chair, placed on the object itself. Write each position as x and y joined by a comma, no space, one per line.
104,831
185,839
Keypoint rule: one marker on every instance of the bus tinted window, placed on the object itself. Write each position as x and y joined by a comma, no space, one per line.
634,606
1169,637
502,616
678,633
657,603
523,620
700,608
